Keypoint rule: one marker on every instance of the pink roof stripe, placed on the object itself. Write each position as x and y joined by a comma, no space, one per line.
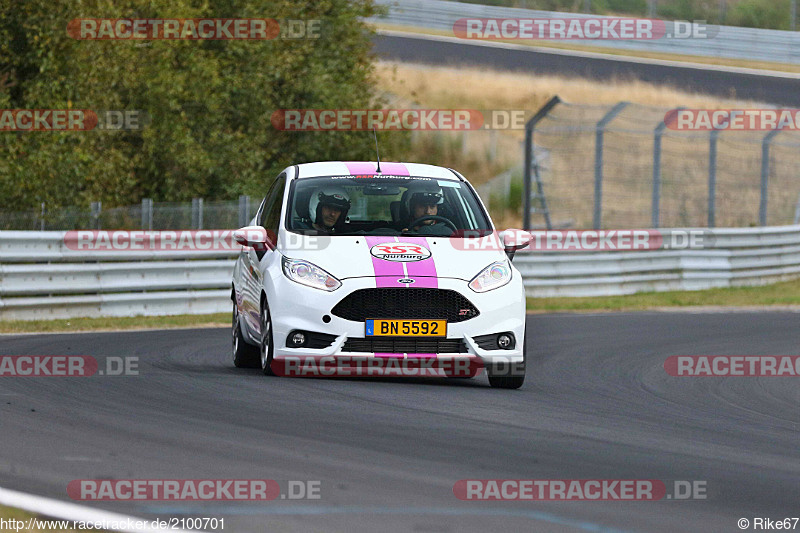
365,167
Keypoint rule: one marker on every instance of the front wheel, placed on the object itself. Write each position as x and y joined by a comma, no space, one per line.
508,375
267,347
244,355
500,377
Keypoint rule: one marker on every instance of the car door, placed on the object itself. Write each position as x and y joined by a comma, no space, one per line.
257,261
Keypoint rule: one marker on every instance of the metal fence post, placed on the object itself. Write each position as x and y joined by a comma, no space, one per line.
97,207
147,213
762,207
598,162
655,212
197,213
797,211
42,219
712,177
529,163
244,210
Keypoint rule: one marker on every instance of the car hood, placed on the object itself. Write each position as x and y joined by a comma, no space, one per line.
395,257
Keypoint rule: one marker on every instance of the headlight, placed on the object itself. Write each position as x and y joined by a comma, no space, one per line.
494,276
309,274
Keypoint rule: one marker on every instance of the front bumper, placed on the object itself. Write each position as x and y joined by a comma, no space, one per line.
296,307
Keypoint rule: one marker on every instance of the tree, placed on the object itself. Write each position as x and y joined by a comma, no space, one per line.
209,102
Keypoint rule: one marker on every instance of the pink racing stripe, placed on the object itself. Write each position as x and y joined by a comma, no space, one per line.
389,355
386,272
423,272
361,167
420,355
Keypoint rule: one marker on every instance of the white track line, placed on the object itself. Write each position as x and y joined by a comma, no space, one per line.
70,511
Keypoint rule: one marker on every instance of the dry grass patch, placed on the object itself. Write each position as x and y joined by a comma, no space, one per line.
479,88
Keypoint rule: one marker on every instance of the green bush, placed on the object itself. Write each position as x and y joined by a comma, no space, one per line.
629,7
761,14
210,102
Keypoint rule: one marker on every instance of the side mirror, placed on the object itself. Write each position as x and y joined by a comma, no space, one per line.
256,237
514,239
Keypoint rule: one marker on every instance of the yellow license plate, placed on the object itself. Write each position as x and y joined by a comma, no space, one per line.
406,328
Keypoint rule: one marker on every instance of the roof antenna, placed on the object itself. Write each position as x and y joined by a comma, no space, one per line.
377,151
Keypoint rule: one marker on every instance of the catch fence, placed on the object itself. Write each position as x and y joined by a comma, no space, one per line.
620,166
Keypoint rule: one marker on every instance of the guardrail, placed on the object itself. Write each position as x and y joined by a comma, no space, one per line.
737,257
40,278
728,41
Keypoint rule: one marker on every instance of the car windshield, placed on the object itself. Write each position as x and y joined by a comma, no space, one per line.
385,205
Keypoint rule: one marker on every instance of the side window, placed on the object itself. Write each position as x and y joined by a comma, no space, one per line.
271,214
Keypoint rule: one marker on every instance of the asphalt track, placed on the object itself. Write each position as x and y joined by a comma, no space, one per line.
782,89
597,405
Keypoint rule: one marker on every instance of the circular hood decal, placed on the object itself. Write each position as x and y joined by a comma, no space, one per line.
402,252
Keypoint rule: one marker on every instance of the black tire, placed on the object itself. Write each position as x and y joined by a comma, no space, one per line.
267,345
244,355
508,376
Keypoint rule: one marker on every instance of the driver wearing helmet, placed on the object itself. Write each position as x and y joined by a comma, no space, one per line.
329,207
424,201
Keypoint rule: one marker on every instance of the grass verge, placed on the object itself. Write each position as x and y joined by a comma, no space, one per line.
778,294
115,323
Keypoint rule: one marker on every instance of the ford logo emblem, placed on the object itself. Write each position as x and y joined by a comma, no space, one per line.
405,280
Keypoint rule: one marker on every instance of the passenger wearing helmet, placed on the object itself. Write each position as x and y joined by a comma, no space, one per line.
424,200
329,207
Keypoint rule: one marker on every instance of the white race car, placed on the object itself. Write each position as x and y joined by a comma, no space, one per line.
390,260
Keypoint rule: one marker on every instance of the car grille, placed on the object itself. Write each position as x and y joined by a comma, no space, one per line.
404,345
405,303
